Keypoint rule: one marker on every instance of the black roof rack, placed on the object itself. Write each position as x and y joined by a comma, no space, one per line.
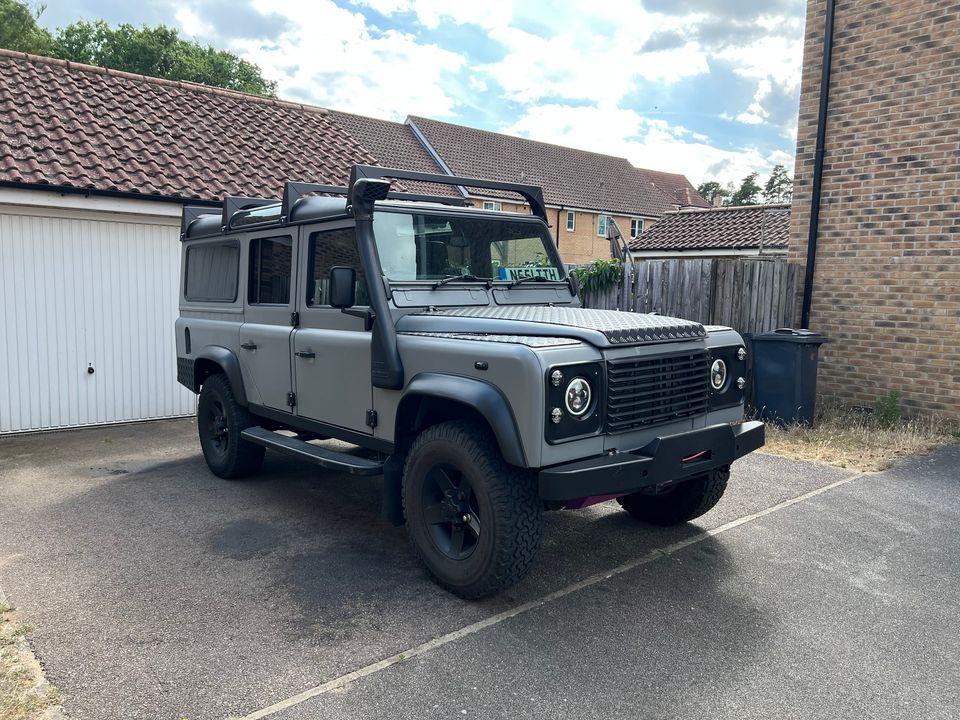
293,192
531,193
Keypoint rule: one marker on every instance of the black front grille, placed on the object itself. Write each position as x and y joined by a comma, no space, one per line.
651,391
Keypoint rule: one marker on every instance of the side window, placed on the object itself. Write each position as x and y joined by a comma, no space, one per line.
333,248
211,273
271,263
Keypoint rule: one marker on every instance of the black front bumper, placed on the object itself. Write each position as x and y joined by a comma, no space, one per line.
665,459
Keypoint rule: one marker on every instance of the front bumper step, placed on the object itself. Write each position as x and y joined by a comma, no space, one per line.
665,459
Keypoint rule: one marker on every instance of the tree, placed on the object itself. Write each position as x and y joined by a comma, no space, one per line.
159,52
748,193
713,192
779,187
155,51
19,29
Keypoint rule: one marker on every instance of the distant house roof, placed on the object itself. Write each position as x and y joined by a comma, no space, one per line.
394,145
569,177
676,187
70,125
747,227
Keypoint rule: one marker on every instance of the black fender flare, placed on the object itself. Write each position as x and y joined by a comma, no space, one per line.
227,360
485,398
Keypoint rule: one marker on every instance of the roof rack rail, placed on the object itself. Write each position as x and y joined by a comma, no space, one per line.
191,213
531,193
294,191
234,204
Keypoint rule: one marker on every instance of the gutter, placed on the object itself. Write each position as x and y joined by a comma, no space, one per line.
70,190
818,166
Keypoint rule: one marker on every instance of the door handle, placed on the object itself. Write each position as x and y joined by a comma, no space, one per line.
307,354
248,345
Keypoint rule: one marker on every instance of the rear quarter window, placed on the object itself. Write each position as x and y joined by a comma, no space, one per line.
211,272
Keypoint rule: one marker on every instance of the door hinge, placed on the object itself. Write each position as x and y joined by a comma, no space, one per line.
294,319
371,418
292,399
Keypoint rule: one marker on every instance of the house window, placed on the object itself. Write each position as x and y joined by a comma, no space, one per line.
602,222
492,205
571,221
636,227
271,262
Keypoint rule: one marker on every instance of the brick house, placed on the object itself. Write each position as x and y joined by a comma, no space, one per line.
582,189
886,278
742,231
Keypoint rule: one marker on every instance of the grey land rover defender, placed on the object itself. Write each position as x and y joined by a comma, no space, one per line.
449,345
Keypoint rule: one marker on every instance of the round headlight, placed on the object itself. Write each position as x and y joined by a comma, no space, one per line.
577,396
718,374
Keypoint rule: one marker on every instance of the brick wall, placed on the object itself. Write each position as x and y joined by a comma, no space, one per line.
887,283
583,244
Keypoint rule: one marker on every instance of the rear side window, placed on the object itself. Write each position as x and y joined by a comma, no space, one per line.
211,274
271,263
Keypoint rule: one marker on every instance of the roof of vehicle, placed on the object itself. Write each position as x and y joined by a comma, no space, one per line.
318,208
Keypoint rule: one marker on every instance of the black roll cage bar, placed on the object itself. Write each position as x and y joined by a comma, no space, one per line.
293,192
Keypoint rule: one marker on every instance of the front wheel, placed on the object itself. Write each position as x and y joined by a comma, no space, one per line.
474,520
681,503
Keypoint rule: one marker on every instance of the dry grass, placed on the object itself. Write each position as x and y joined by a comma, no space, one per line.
858,439
23,693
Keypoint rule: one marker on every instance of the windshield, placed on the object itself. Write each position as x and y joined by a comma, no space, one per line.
414,246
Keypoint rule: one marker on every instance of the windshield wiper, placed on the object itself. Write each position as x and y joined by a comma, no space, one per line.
466,277
531,278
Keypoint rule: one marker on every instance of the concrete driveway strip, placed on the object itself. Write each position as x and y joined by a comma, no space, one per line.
158,590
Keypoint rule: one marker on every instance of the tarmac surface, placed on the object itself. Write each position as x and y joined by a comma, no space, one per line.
157,590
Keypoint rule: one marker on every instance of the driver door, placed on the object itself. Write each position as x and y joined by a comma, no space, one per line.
331,350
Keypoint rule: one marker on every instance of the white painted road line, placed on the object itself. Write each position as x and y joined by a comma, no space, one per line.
476,627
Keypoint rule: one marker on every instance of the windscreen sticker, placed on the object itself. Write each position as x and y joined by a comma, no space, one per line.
515,273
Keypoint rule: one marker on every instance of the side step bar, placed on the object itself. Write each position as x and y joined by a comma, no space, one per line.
312,453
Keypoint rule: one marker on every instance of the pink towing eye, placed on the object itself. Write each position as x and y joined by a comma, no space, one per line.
702,455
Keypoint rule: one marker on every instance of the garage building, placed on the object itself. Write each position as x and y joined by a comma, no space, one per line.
95,166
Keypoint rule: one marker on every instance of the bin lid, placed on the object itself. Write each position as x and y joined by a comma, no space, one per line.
791,335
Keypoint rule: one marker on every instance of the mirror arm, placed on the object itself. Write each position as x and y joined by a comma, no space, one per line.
366,314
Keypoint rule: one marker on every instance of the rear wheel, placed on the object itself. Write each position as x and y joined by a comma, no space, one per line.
681,503
474,520
220,420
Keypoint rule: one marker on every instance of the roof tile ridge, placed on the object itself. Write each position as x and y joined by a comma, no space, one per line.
183,84
416,118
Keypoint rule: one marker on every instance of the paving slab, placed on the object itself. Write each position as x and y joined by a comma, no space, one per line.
158,590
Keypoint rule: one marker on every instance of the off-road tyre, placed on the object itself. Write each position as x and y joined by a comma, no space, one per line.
683,502
227,454
505,499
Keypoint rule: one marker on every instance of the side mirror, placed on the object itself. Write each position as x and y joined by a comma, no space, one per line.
574,283
342,287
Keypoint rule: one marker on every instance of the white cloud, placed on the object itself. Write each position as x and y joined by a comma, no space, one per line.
191,23
332,58
430,12
645,142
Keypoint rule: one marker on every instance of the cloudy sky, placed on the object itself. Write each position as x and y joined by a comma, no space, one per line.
708,88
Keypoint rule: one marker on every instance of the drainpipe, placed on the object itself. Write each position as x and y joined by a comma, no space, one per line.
818,166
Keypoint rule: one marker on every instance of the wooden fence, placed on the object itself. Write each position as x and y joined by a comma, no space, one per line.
748,294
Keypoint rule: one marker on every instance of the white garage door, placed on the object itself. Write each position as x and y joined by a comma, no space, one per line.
87,306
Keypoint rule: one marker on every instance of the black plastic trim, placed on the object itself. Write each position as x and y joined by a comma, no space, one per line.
296,422
660,461
228,361
483,397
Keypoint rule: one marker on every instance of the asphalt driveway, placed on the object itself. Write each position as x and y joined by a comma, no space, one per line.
159,591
